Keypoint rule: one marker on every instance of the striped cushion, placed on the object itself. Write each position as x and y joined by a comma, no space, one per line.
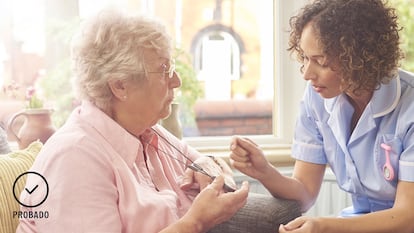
11,166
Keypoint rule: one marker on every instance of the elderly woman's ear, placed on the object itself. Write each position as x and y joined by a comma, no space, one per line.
118,88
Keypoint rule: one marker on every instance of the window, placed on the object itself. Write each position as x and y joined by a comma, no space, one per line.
229,42
216,62
286,90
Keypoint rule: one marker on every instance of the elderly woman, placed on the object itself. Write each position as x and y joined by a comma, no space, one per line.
111,168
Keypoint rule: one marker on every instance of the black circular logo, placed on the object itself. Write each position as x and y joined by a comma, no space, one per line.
41,186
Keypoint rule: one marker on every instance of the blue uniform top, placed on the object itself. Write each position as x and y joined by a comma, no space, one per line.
323,136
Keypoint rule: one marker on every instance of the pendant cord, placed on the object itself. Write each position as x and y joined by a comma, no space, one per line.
169,143
193,166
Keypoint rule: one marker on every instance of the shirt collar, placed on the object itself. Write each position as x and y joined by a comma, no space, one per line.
124,143
386,98
383,101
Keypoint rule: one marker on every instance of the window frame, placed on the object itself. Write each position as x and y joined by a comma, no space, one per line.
288,86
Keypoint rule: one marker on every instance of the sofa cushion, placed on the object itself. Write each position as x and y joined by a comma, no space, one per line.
11,166
262,213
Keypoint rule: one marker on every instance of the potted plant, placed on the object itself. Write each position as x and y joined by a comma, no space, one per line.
33,122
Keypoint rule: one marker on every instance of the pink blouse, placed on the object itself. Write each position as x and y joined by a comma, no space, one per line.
103,179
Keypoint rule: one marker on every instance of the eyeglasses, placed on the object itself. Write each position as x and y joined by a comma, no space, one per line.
167,69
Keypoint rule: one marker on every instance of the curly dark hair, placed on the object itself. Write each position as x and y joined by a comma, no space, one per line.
361,35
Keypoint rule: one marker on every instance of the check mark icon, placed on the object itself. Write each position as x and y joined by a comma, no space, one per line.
33,189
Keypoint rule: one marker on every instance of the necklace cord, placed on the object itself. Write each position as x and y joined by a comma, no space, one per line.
193,166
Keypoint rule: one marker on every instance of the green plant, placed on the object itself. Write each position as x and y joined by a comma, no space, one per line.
30,95
56,84
57,88
405,11
33,100
191,89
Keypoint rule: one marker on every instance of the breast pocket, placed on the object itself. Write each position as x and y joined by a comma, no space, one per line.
388,164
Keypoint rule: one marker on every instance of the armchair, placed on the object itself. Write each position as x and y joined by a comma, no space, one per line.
11,166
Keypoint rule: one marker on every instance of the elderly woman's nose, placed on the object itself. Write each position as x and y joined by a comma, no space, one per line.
175,81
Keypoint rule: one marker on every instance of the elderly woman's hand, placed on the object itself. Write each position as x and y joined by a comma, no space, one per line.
212,206
214,167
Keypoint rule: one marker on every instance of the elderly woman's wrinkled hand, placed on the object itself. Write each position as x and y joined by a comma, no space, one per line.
212,206
214,167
